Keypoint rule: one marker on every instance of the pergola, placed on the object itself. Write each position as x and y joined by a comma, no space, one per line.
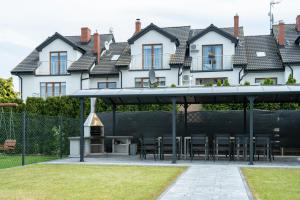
186,96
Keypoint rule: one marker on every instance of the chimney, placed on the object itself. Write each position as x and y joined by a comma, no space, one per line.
85,36
138,26
298,23
97,49
281,33
236,29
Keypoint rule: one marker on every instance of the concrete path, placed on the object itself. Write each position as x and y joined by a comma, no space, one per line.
208,182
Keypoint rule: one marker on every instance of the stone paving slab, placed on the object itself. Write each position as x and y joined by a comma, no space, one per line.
209,183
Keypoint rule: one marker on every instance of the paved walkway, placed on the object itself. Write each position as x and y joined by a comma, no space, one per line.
208,182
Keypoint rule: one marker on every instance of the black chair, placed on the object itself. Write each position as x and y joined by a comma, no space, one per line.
263,146
167,146
222,145
241,146
199,144
148,146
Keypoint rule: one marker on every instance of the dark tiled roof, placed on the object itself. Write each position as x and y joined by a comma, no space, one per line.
187,62
262,43
106,65
28,65
31,62
150,28
290,53
125,57
197,35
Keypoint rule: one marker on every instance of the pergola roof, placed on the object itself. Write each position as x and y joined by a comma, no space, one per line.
194,95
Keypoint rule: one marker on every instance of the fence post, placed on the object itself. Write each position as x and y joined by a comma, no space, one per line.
61,136
24,138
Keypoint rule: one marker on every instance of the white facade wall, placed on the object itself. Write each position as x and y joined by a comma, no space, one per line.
212,38
296,73
56,45
31,84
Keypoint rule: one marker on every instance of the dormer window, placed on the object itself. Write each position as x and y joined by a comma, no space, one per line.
212,58
152,56
58,63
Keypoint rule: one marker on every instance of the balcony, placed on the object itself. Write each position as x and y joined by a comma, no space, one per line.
140,62
212,63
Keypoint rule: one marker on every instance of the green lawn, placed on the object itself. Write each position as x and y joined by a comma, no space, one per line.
16,160
273,183
86,182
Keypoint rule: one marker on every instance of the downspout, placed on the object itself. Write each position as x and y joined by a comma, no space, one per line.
82,79
179,74
121,77
241,77
21,89
292,71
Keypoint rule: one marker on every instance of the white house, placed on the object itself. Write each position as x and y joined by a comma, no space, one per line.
179,56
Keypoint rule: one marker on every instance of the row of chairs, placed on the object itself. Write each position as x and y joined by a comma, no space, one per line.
220,145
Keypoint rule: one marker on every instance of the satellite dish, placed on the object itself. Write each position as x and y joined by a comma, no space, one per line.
152,77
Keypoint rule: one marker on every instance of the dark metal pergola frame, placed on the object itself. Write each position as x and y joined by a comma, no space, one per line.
186,96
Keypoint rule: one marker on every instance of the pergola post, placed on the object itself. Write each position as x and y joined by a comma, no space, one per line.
174,130
185,118
81,129
251,101
114,119
245,117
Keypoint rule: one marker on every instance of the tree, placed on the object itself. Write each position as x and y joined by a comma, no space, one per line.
7,89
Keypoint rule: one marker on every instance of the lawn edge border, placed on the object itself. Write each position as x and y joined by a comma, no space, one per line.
246,184
172,184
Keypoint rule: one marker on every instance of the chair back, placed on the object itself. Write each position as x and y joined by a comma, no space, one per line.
222,139
262,140
199,139
241,139
167,140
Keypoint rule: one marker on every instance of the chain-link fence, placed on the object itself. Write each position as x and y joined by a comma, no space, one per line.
29,138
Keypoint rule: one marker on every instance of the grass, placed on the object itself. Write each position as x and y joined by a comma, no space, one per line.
274,183
86,182
7,161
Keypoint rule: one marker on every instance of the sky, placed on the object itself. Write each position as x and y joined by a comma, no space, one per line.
25,24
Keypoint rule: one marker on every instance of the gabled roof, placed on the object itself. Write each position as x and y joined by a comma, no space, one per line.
290,52
215,29
58,36
266,44
84,63
155,28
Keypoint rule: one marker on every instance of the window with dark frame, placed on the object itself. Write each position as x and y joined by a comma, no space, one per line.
261,80
49,89
58,63
143,82
104,85
214,81
212,57
152,56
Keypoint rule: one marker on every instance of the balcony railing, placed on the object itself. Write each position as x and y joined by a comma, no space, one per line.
140,62
212,63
